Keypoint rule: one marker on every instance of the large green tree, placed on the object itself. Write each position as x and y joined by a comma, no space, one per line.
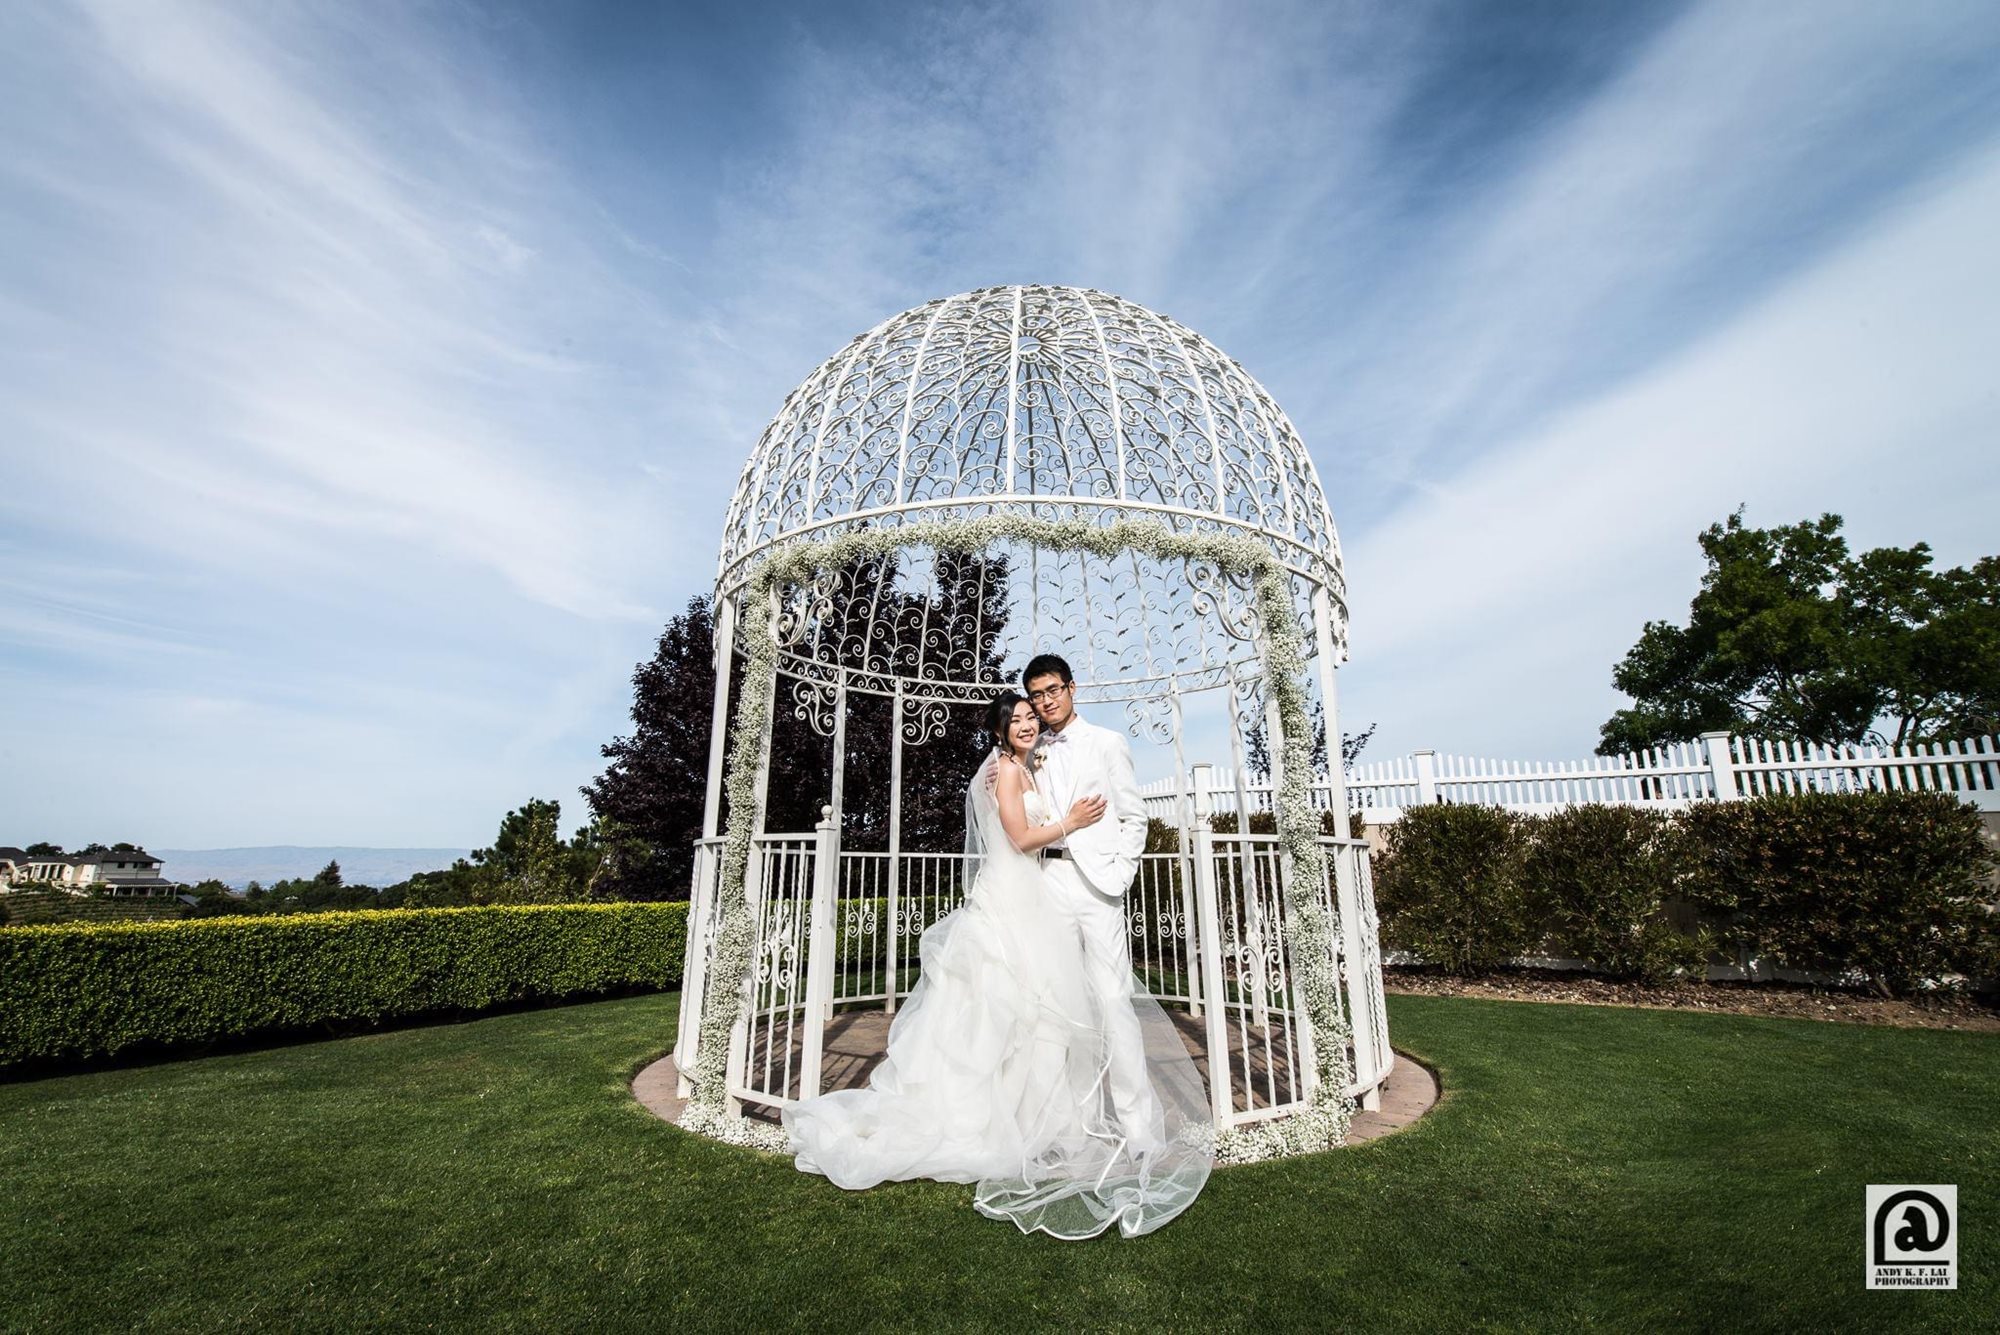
1792,636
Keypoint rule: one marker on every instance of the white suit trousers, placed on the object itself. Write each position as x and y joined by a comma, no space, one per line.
1100,924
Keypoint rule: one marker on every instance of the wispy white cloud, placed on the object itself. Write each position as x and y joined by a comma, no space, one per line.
351,429
1738,145
1189,162
301,335
1489,613
318,331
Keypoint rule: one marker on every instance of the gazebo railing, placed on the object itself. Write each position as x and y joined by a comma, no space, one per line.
838,930
1160,918
768,1060
1349,893
865,915
1254,1034
928,886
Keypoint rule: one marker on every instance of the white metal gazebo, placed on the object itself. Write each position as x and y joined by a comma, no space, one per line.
982,416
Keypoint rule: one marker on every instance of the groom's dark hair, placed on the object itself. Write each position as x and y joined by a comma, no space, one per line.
1041,665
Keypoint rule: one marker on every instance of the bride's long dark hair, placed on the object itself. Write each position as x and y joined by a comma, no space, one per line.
999,715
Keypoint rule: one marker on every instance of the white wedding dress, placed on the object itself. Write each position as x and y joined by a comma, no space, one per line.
995,1072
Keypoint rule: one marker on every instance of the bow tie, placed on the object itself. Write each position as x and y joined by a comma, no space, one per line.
1053,738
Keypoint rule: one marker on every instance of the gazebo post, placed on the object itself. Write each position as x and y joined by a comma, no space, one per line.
753,880
1286,888
1336,763
839,777
694,969
819,950
828,851
1361,1000
895,843
707,866
1274,751
1252,923
1184,823
718,718
1217,1029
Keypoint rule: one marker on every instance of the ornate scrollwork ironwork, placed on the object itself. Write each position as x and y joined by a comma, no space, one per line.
814,702
777,967
1065,403
861,919
924,721
1256,959
911,919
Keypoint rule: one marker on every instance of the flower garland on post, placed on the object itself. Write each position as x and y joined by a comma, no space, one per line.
1324,1124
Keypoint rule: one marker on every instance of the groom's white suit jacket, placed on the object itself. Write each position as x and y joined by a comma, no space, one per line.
1084,760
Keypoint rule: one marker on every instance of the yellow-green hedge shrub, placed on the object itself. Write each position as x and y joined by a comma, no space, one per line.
89,990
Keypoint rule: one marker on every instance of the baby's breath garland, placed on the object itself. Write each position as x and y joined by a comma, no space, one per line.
1321,1126
1324,1124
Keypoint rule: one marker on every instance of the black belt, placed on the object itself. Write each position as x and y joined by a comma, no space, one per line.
1055,852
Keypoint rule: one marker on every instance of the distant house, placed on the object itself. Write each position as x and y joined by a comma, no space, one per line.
121,872
20,868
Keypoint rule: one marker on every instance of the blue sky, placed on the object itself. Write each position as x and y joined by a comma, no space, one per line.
373,376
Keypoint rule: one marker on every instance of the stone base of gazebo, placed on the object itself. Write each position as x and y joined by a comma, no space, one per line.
857,1040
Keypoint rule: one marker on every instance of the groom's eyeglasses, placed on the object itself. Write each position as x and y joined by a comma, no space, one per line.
1048,693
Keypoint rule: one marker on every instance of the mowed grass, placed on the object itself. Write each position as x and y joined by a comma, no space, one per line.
1589,1168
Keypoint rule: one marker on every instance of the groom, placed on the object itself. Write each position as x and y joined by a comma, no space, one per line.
1089,870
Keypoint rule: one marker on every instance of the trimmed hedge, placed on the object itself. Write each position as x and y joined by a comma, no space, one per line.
92,990
1450,887
1891,885
1601,877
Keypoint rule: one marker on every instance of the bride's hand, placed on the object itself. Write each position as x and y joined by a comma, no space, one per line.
1087,811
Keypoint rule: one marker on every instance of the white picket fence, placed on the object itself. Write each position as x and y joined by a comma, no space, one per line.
1718,765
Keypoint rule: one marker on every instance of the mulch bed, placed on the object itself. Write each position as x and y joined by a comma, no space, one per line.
1797,1001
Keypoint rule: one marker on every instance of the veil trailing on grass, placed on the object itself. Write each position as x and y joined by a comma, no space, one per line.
996,1072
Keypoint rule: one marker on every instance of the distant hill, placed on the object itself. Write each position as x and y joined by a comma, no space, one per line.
237,867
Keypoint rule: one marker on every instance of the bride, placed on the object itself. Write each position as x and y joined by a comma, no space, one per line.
997,1063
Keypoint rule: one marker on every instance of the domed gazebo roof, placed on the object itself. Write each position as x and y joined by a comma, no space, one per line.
1063,403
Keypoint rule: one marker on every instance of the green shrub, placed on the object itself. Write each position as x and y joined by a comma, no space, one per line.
1890,884
1601,876
1449,887
93,990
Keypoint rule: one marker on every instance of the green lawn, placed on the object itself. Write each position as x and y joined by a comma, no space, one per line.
1589,1168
